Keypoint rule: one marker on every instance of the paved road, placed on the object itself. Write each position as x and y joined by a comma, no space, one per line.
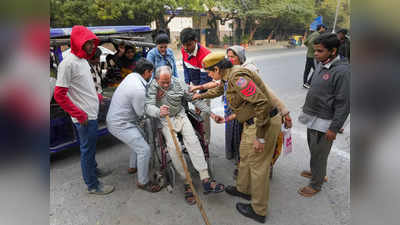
282,70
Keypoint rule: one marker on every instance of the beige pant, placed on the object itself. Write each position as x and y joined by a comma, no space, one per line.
253,177
182,124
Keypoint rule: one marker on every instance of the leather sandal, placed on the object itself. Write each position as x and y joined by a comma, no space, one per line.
132,170
209,189
307,191
189,197
150,187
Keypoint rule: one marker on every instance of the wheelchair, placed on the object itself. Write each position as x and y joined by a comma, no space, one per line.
166,175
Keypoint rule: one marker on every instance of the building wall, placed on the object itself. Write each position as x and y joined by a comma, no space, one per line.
225,29
177,24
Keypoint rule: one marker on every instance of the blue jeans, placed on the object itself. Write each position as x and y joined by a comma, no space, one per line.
88,138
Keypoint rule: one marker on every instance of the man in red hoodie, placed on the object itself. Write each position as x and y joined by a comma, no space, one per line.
75,92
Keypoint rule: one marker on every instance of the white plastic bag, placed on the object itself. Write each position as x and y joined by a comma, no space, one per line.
287,140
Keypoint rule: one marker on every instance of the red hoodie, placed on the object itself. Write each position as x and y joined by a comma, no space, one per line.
79,36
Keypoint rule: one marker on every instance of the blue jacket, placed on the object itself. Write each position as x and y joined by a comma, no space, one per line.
158,60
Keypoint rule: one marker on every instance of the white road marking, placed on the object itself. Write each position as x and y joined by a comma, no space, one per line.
297,133
302,133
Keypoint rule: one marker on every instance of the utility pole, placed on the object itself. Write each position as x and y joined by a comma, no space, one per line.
337,12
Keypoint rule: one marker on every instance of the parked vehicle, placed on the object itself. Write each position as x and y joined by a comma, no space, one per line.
63,134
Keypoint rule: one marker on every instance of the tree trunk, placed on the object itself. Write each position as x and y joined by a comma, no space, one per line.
243,26
212,22
161,24
270,35
253,30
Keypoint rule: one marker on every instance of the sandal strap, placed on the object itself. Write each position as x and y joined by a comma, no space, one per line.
216,189
150,186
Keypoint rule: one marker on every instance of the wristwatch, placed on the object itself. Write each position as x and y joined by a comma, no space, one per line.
261,140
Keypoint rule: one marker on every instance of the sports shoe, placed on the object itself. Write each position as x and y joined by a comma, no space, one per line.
102,189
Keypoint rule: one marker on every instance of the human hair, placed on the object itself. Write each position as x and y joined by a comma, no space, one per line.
329,41
162,38
343,31
187,35
96,54
321,26
129,47
162,69
142,65
223,64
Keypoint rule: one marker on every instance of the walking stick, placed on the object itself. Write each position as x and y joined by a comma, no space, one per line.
188,178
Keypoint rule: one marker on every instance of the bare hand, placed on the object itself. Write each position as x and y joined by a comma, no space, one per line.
193,88
287,121
84,123
164,110
230,117
198,111
330,135
160,94
83,120
217,119
196,96
258,146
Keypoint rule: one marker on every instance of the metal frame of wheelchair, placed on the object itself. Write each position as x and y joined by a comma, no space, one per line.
163,159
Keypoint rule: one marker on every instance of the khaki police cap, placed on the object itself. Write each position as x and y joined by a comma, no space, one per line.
212,59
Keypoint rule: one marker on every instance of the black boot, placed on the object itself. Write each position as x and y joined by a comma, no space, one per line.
233,191
247,211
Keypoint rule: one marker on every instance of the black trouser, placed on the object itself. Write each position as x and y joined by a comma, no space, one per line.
319,149
307,69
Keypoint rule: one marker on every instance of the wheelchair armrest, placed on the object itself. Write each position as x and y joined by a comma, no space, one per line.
192,115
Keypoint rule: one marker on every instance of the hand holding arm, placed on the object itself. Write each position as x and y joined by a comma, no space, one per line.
164,111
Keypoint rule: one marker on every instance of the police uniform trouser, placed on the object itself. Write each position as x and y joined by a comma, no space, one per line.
253,177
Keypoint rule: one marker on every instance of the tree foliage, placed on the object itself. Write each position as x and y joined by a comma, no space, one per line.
272,15
327,9
65,13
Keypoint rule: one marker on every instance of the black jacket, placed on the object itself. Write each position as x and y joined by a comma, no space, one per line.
329,95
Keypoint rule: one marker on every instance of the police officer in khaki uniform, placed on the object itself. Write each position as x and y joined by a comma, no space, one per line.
251,104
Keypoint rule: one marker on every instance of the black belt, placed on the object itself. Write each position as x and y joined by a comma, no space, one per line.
272,113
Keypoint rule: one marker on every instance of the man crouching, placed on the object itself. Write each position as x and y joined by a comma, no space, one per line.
164,97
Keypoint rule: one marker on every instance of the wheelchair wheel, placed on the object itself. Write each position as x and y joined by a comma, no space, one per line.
209,166
171,175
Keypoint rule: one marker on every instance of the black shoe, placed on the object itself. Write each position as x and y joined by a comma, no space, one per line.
233,191
247,211
307,86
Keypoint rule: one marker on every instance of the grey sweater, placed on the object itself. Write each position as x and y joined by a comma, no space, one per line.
329,95
173,99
